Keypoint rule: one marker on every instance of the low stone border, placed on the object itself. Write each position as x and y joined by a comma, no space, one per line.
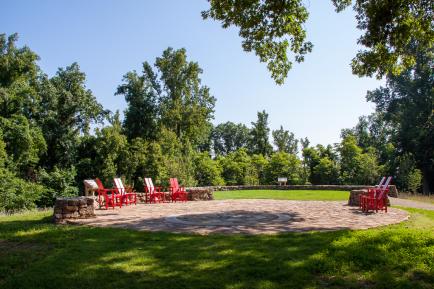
73,208
393,192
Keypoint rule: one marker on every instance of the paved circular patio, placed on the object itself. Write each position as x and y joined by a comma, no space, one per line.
244,216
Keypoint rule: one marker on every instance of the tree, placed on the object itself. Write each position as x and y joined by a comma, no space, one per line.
284,165
389,26
357,168
112,151
68,109
16,63
228,137
207,171
407,104
237,168
326,172
186,106
285,141
260,131
24,143
269,28
141,94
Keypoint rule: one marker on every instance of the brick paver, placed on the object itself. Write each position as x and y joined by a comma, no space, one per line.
244,216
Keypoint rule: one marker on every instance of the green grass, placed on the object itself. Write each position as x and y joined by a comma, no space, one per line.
418,197
34,253
318,195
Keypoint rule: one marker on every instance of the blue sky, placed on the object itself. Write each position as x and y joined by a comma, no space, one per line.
109,38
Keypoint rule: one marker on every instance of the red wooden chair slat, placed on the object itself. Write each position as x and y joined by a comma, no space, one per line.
108,197
128,195
379,200
153,194
177,193
371,192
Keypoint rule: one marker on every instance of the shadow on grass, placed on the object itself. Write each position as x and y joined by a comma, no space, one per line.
85,257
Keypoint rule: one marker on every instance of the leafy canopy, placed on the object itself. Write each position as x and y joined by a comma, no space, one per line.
272,29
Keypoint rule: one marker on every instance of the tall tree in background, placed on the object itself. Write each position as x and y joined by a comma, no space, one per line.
259,143
228,137
141,94
285,141
407,103
68,109
186,106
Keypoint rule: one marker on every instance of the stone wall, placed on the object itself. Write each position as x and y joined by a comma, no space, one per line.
73,208
200,194
393,190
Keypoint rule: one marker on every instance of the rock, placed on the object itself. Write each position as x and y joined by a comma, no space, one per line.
73,208
200,194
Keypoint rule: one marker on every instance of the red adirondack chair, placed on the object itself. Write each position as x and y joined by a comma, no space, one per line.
128,195
153,194
371,192
177,193
108,197
379,200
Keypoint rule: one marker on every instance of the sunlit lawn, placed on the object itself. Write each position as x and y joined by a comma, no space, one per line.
320,195
34,253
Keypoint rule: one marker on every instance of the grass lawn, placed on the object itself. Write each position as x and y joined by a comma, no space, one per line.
418,197
310,195
34,253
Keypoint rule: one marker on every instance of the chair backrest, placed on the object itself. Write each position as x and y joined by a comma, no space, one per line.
381,182
174,183
119,185
99,183
384,188
149,185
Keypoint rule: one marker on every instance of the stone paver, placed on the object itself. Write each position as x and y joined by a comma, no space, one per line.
411,204
243,216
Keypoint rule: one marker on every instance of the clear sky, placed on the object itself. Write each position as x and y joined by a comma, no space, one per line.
109,38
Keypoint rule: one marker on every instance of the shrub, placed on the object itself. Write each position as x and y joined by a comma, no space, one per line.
17,194
58,183
414,180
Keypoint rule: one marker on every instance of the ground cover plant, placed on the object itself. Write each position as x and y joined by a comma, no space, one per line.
319,195
38,254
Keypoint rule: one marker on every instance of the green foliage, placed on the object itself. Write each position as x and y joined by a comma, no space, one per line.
407,104
186,106
238,169
260,131
141,94
269,28
389,28
357,167
15,63
228,137
284,165
24,143
326,172
414,180
207,171
67,109
17,194
112,151
58,183
285,141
